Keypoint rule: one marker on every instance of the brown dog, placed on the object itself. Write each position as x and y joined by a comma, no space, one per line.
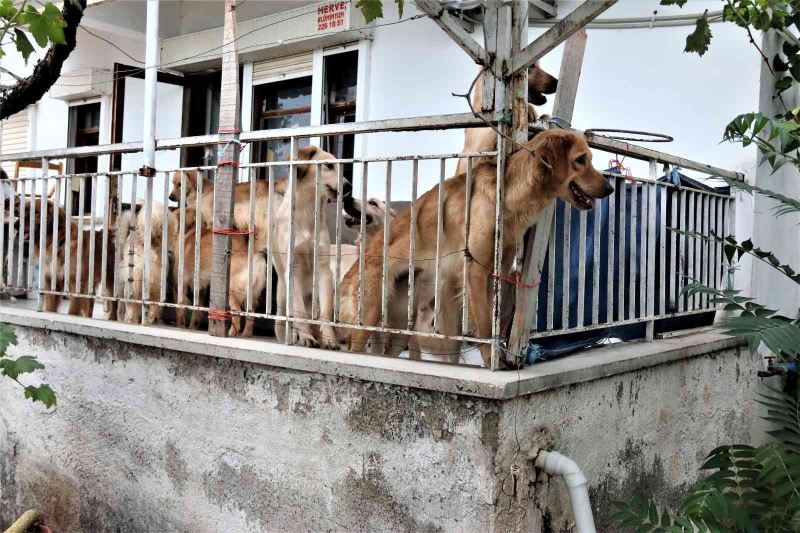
540,83
554,164
79,266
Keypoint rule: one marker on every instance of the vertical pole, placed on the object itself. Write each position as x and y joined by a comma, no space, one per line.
227,158
537,241
150,80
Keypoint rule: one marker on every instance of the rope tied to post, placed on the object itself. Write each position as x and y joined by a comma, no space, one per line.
216,314
232,231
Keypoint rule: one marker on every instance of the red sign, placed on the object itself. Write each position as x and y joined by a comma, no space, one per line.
331,16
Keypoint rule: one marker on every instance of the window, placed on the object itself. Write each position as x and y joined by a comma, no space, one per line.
283,104
84,130
288,103
339,104
201,116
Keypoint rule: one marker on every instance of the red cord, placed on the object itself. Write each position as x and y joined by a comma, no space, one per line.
215,314
232,163
223,130
514,280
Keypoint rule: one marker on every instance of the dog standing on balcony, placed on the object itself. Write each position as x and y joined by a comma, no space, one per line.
304,247
78,305
554,164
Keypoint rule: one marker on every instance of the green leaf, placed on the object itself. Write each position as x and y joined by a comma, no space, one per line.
7,9
700,38
371,9
778,65
400,6
22,365
47,26
24,45
780,336
43,393
7,337
787,205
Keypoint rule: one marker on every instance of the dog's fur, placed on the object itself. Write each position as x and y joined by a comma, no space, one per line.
132,267
304,245
237,290
540,83
552,166
80,306
375,215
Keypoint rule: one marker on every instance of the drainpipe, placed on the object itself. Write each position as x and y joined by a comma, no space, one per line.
556,464
150,81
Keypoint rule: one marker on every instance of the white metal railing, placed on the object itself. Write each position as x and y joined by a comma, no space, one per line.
629,255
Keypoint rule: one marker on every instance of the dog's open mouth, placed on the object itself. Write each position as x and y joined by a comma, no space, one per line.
351,221
583,200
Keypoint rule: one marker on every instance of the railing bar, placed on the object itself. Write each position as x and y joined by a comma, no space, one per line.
412,248
673,255
79,253
315,253
165,244
565,270
622,236
551,275
437,298
338,265
718,262
198,236
43,207
651,253
92,238
251,242
386,236
644,249
582,223
362,246
598,217
292,233
612,260
3,233
690,244
133,237
467,256
662,249
682,253
637,320
635,277
702,256
21,236
118,243
148,236
270,219
31,220
67,234
180,279
104,254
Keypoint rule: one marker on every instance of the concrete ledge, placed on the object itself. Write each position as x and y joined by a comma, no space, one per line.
587,366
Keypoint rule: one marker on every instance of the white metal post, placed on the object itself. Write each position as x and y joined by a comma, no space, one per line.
150,82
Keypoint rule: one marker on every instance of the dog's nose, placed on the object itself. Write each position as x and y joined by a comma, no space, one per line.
552,86
607,190
172,197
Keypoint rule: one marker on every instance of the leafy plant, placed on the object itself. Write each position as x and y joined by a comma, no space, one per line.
747,489
25,364
373,9
45,25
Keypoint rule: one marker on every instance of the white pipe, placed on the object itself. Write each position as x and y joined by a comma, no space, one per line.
556,464
150,83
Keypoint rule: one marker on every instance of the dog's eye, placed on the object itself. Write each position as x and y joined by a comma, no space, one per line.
581,160
329,166
373,203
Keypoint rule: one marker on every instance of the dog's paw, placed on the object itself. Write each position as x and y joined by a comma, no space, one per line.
330,344
305,340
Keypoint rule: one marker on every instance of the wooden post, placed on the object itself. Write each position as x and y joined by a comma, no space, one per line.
226,176
538,239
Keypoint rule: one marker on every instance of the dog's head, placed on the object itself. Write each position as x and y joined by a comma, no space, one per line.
540,83
568,160
375,213
190,180
328,174
24,229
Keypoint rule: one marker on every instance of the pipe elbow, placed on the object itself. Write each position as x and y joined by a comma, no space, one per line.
557,464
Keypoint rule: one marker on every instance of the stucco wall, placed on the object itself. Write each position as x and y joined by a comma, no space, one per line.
145,439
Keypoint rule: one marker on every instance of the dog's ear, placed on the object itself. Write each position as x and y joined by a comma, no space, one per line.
307,153
553,150
392,212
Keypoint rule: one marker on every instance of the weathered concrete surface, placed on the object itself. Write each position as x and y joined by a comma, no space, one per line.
149,439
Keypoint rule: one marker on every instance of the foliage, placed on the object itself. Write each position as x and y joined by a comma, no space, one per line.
373,9
45,25
777,139
747,489
26,364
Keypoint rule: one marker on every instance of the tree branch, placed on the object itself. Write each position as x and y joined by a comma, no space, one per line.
3,69
48,69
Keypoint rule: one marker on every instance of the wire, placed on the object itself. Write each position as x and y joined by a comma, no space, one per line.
87,30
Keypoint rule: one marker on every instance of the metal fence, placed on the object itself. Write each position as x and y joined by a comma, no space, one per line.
141,252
